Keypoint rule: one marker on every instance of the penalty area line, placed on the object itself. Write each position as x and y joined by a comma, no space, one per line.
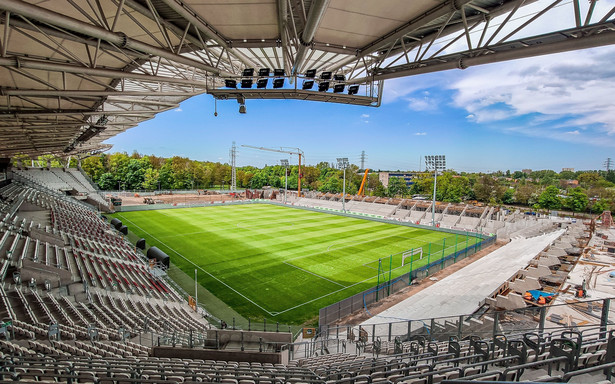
199,267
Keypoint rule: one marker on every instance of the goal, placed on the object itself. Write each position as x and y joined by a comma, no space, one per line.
410,254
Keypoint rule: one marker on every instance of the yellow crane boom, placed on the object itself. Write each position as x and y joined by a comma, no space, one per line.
292,151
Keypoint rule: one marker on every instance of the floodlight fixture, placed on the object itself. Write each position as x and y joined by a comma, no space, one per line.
310,73
342,163
353,89
246,83
242,108
308,84
435,163
323,87
262,83
264,72
248,72
339,77
230,83
279,72
339,88
278,83
325,76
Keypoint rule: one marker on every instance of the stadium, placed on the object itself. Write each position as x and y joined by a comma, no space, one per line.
266,285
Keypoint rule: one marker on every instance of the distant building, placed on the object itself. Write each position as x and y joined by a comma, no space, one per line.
567,169
526,171
568,183
385,176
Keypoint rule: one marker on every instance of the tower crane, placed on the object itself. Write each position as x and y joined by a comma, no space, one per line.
287,150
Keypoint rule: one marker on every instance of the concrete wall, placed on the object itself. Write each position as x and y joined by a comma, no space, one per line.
212,354
510,301
50,238
42,272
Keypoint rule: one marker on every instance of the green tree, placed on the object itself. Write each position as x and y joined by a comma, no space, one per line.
332,185
589,180
567,175
165,176
549,198
107,182
488,190
117,163
509,196
134,174
93,166
577,200
518,175
150,181
397,187
380,190
596,207
526,194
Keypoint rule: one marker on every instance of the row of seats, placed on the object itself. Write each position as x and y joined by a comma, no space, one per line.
531,356
110,288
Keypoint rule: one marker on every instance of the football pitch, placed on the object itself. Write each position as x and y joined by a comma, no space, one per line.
282,263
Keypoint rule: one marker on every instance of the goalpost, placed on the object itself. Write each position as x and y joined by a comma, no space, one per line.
410,254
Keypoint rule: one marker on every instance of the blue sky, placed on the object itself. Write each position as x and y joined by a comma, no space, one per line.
546,112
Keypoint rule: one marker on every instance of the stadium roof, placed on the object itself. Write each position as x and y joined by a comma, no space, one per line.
75,73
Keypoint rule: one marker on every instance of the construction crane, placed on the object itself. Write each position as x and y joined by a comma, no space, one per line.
362,188
290,151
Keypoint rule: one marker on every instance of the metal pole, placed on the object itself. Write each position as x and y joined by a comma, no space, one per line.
433,203
443,247
285,183
299,179
344,192
455,247
378,282
390,270
196,291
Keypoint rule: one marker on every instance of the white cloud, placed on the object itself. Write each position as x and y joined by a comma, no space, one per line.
422,104
558,96
365,115
177,109
566,97
420,134
399,88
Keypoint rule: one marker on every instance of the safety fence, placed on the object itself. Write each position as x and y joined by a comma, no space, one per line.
484,324
343,308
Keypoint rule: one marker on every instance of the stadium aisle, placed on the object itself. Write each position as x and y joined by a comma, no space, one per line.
461,292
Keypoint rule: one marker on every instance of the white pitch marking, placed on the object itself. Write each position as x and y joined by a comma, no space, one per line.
199,267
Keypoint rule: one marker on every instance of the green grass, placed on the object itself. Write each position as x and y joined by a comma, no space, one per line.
280,263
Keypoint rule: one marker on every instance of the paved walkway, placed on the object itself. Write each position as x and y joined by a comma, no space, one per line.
461,292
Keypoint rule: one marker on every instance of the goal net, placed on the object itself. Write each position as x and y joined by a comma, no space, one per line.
410,254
